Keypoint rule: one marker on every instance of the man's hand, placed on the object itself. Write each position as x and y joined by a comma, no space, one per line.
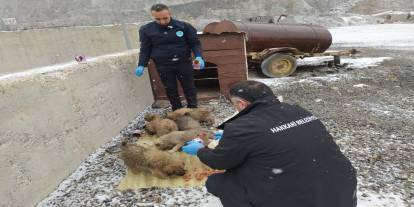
200,62
139,71
218,134
193,146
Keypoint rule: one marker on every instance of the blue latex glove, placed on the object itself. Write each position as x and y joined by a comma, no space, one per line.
192,147
139,71
218,134
201,62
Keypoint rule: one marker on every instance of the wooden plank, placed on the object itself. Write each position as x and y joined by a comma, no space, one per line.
157,86
219,60
233,70
226,83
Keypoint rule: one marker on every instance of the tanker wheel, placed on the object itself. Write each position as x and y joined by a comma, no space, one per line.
278,65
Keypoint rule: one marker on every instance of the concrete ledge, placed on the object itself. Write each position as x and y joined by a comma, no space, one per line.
51,121
21,50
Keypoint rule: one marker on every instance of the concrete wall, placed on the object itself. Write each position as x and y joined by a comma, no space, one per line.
51,121
21,50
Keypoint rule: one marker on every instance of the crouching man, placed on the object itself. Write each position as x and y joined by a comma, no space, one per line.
275,154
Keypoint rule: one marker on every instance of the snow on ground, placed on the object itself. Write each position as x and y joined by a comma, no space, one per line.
366,199
389,36
356,62
370,199
398,36
348,62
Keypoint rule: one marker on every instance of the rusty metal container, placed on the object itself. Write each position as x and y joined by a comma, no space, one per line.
259,36
225,57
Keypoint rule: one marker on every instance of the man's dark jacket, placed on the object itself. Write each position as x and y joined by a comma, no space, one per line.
282,156
169,44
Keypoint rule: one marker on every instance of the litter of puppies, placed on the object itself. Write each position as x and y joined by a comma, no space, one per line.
156,150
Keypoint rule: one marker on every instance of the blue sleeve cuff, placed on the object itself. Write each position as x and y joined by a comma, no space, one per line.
197,54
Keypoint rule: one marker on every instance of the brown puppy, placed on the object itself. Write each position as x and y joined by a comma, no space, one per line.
199,114
159,126
161,164
175,140
187,122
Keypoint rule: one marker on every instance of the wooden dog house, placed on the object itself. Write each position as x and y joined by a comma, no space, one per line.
226,64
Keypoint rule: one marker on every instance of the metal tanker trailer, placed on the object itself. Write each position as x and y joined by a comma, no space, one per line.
276,46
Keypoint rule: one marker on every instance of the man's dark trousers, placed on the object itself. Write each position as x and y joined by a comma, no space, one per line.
184,72
232,196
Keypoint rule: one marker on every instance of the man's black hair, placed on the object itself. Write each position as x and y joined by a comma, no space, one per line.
159,7
250,90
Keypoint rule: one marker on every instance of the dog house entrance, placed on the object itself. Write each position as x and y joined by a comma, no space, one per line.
225,56
207,82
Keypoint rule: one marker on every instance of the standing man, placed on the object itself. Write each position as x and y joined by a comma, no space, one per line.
169,42
275,154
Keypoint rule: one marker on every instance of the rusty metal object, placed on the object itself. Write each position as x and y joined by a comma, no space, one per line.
303,38
225,57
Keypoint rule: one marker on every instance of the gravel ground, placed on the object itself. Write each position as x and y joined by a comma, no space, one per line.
369,111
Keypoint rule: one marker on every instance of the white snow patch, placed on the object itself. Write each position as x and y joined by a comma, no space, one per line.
280,98
146,204
363,62
356,20
287,81
58,70
389,36
314,61
368,200
361,85
356,62
102,197
371,199
211,201
330,78
38,71
277,171
391,12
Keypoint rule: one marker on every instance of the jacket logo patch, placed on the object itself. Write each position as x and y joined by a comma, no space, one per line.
179,33
296,123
